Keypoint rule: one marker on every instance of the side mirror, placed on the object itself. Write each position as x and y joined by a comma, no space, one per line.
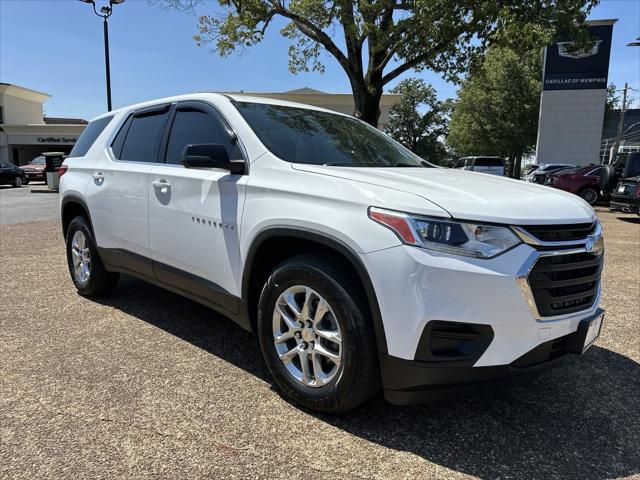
210,155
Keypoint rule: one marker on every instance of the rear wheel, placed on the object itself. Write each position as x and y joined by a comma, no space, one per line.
86,268
315,335
589,195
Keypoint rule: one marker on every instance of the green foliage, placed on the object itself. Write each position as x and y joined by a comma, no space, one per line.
498,105
376,41
611,103
419,120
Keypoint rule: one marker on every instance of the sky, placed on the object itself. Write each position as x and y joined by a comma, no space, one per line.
56,47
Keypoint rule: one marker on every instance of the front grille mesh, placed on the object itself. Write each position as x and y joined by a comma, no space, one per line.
564,284
550,233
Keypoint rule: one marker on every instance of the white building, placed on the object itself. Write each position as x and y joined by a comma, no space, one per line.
25,132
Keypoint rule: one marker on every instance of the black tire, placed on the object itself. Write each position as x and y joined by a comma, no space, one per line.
17,182
357,377
608,178
100,281
589,195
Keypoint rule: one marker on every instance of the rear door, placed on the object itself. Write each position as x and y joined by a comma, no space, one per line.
118,191
194,214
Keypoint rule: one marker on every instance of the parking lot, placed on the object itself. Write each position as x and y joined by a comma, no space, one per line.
146,384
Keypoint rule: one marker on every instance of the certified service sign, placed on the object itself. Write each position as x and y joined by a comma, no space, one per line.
568,69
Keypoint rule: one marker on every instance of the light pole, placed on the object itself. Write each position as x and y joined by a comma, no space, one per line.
105,12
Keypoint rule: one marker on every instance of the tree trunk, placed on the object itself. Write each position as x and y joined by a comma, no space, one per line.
367,102
518,166
511,169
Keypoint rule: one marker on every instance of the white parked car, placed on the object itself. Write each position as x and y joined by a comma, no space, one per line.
357,263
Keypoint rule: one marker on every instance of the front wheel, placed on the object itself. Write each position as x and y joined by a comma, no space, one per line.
589,195
315,335
86,268
17,182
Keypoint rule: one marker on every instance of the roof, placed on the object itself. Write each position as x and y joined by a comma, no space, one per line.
240,97
306,90
22,92
64,121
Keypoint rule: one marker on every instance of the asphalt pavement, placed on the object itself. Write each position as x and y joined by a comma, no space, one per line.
29,203
146,384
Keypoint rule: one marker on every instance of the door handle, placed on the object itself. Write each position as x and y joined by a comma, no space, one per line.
162,184
98,176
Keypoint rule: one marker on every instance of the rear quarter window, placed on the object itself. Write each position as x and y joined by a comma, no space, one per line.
88,136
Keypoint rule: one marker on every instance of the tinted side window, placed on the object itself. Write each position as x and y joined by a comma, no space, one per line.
192,126
489,162
88,136
143,138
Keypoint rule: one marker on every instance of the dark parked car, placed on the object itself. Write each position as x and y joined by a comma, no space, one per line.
583,181
622,179
539,175
626,196
11,175
35,169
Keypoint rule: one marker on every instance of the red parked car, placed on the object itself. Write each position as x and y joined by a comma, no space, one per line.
583,181
35,169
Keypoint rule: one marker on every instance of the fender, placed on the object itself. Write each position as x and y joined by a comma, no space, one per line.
71,198
334,244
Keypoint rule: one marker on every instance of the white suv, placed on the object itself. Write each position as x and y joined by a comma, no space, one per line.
357,263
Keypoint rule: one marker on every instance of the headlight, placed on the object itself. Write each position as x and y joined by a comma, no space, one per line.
458,238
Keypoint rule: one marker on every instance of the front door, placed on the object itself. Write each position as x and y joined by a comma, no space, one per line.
194,214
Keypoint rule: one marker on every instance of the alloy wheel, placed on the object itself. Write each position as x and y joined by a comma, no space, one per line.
307,336
589,195
81,257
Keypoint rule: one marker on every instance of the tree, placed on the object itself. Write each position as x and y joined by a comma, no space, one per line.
497,108
612,103
419,120
376,41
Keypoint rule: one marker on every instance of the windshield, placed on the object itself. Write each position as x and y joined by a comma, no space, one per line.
38,161
299,135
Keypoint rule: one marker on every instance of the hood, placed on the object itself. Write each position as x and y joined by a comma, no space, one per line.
33,167
472,195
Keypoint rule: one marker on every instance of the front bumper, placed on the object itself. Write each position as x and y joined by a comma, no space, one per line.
416,287
34,175
626,205
407,382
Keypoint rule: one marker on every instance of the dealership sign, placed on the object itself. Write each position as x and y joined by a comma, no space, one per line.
57,140
587,68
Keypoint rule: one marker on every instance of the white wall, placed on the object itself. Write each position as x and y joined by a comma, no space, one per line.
18,111
570,126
